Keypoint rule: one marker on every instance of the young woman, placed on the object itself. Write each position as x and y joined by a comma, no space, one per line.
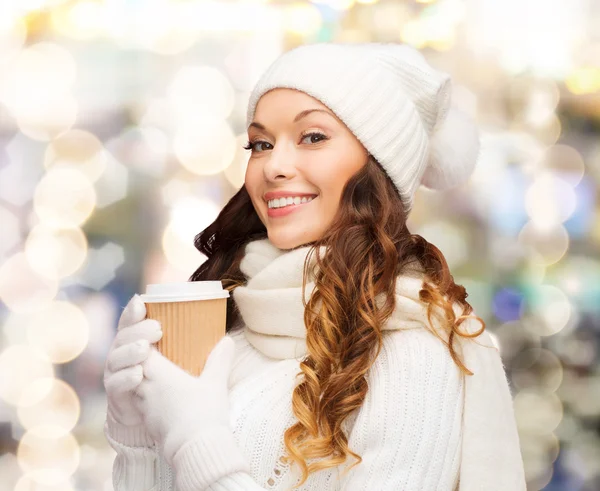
352,360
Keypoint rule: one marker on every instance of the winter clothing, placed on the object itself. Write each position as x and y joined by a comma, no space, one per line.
423,425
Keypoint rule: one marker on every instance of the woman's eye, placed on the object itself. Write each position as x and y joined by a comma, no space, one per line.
252,145
314,137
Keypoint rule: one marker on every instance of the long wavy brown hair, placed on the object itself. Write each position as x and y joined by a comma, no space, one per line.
368,246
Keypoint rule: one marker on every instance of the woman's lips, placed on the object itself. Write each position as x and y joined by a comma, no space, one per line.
286,210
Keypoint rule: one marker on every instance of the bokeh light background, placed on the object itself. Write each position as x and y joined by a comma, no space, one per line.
121,134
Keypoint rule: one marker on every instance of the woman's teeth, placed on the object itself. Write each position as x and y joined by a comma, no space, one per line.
281,202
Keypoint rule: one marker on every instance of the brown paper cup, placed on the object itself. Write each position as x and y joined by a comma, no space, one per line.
191,326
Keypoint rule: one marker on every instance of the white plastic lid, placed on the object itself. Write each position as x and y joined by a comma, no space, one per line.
184,291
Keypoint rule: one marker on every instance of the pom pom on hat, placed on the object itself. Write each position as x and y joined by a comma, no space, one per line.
454,150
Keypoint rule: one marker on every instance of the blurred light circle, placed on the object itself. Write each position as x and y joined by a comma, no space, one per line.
302,18
584,80
507,304
552,307
22,288
64,198
189,216
537,412
11,235
205,150
566,162
25,364
547,244
448,238
542,101
541,445
550,200
42,61
546,132
200,92
42,110
537,368
48,455
82,20
56,253
79,149
13,33
585,396
170,31
235,173
57,405
60,330
43,121
538,451
27,483
180,253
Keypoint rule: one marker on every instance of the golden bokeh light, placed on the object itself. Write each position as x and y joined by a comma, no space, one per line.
13,33
547,244
23,289
49,402
189,216
60,331
166,28
56,253
205,149
537,412
552,308
566,161
83,20
78,149
550,200
42,110
302,18
48,455
27,483
200,93
235,173
584,80
179,252
20,366
537,368
64,197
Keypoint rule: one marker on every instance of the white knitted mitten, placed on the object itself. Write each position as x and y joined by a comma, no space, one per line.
188,416
123,373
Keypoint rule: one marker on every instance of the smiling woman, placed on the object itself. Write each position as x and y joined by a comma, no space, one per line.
359,364
299,148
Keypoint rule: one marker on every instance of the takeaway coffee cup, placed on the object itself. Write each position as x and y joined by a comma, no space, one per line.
193,317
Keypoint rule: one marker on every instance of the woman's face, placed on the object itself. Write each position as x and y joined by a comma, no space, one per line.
299,148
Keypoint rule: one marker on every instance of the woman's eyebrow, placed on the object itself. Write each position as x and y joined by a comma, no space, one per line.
298,117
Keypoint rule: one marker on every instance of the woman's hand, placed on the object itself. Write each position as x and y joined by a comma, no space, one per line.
177,407
123,373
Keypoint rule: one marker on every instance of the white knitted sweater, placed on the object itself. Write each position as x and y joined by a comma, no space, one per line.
423,425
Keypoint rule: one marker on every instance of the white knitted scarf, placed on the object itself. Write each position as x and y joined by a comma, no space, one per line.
271,302
271,308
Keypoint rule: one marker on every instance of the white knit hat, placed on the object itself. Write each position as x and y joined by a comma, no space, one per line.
392,100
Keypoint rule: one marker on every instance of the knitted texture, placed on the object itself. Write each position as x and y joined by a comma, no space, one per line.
392,100
422,426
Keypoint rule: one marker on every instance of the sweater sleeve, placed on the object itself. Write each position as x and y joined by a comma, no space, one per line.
134,468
